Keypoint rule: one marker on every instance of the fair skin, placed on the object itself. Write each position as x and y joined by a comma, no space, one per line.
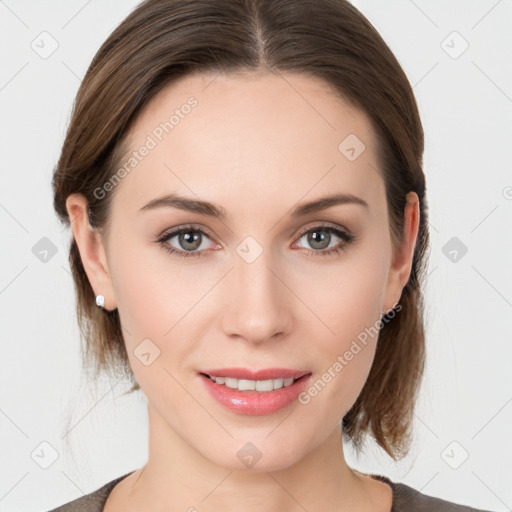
257,148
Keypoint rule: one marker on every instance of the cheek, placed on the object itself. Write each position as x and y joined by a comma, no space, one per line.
141,297
152,306
158,301
346,298
146,299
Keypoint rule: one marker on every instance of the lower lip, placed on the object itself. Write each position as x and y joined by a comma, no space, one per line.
255,403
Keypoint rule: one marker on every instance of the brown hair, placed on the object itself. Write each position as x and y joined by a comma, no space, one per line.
164,40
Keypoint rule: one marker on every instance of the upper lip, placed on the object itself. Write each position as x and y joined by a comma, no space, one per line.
264,374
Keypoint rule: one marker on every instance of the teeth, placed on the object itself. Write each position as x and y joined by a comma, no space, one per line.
251,385
278,383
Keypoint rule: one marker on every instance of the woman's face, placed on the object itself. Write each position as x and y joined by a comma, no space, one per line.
263,286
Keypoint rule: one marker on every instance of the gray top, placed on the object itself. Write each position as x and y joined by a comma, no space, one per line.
405,499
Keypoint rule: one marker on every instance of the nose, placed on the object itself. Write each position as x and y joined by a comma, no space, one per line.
258,305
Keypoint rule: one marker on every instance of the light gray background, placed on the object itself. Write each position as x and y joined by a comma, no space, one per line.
465,407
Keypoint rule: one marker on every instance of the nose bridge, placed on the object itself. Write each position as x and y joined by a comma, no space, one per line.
257,305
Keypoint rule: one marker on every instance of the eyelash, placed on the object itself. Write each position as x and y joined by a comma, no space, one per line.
345,236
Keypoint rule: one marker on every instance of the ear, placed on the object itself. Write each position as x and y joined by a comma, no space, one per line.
91,249
401,266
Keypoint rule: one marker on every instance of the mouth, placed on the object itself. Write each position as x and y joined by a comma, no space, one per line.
255,393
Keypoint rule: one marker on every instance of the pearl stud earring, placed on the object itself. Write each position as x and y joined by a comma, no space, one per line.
100,301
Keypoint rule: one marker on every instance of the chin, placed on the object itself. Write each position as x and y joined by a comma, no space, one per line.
254,454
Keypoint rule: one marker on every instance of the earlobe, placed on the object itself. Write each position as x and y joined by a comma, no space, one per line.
91,248
401,267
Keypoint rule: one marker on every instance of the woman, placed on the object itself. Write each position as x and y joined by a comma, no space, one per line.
276,145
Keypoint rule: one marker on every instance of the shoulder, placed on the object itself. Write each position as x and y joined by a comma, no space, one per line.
92,502
406,498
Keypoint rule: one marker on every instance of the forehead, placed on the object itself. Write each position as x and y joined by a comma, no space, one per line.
249,134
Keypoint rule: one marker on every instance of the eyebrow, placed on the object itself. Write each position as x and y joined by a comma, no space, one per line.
218,212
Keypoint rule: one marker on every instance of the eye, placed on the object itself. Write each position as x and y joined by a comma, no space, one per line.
320,238
189,238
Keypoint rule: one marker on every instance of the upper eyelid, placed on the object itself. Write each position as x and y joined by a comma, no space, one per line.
325,225
176,231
